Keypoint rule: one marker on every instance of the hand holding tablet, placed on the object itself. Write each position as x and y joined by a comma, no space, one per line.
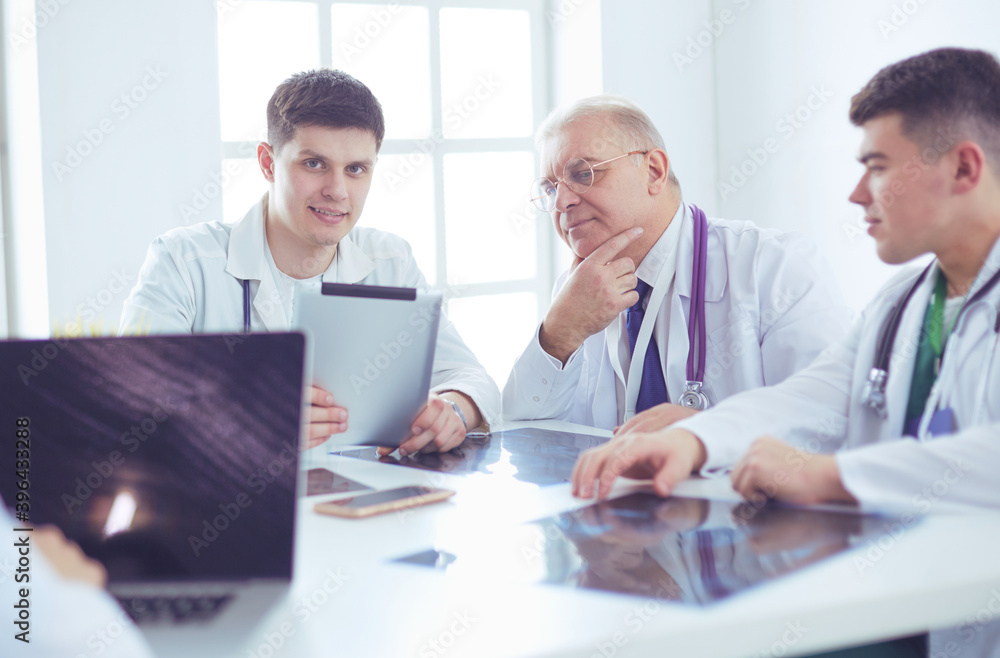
372,350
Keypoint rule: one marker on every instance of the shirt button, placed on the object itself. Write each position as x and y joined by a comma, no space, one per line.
545,381
535,398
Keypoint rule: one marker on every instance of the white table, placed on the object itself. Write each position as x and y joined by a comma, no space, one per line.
349,599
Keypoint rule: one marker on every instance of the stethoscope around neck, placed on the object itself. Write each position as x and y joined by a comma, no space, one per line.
693,396
246,295
873,393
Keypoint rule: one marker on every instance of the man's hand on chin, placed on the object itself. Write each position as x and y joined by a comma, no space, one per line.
598,289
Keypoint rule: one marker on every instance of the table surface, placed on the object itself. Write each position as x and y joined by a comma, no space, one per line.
349,598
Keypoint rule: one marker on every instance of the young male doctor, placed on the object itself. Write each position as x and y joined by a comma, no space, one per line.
664,311
324,131
906,399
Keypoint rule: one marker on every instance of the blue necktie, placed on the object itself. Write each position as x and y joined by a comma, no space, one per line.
652,387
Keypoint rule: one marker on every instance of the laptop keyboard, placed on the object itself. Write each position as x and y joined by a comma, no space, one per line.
173,609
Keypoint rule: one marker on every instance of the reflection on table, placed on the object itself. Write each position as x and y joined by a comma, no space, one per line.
688,550
537,456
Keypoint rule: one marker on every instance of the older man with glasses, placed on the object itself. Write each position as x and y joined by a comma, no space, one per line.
663,312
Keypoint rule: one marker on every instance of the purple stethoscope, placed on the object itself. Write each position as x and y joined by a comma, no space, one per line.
693,397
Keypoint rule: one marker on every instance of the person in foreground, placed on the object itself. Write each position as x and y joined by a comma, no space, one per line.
931,153
324,132
71,613
902,408
664,311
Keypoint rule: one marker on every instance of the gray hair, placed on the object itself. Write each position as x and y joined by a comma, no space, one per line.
623,123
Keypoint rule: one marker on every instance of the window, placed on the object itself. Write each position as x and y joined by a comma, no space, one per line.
462,84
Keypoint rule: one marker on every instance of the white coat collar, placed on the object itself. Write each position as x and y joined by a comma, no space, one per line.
247,261
988,269
716,272
352,263
246,258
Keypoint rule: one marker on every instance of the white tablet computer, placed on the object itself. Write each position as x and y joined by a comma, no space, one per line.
372,347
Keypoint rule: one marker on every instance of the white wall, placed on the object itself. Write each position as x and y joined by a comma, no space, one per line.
129,104
638,39
100,216
767,59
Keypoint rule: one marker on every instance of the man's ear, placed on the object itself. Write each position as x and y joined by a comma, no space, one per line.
659,169
266,159
968,162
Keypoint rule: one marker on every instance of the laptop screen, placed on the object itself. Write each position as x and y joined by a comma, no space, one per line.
167,458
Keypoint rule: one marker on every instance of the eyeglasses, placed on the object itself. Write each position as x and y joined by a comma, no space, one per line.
578,174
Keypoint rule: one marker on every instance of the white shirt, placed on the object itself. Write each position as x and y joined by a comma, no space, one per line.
821,410
771,307
191,282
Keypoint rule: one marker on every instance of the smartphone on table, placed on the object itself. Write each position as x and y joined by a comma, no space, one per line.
379,502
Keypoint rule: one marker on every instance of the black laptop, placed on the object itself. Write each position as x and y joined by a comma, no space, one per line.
170,459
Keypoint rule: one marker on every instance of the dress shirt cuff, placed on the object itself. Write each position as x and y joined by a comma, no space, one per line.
539,375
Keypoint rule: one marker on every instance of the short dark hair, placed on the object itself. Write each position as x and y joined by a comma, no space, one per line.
951,89
322,97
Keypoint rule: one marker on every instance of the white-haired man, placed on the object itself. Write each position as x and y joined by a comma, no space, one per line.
663,311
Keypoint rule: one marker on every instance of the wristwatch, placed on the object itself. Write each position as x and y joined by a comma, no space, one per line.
458,410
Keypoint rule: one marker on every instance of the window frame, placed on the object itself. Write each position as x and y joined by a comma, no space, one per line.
540,39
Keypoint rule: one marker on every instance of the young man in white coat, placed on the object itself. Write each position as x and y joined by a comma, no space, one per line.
768,303
324,131
910,416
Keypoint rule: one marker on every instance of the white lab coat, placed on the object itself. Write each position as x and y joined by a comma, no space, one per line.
192,282
821,409
771,308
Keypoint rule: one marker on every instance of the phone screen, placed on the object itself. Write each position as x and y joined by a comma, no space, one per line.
379,497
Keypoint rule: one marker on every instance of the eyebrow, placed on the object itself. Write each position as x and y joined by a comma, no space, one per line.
872,155
588,158
319,156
